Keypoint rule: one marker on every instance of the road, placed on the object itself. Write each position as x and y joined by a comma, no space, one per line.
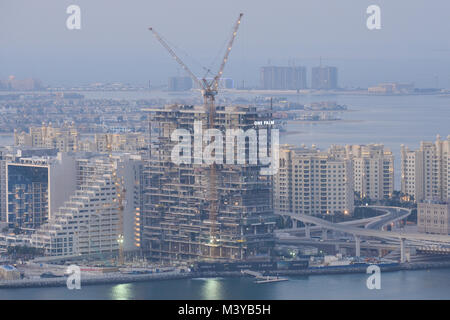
369,232
392,215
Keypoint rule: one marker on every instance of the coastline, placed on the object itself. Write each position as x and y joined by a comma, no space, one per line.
126,278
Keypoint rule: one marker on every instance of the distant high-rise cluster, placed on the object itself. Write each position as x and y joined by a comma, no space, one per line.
294,78
179,83
223,83
324,78
283,78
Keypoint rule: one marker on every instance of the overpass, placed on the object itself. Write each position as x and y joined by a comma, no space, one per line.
365,222
393,214
367,232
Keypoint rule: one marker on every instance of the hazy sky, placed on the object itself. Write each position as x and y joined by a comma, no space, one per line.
114,43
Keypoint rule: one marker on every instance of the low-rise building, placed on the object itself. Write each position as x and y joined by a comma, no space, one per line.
392,88
67,139
8,272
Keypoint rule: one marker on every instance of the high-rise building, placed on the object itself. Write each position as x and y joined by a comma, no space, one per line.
433,217
177,216
223,83
12,154
179,84
227,83
426,171
35,188
324,77
313,182
283,78
373,169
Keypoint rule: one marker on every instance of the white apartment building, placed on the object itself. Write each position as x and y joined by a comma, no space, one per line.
313,182
90,222
425,172
433,217
373,169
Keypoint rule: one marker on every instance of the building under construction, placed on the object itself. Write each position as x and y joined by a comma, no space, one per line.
178,222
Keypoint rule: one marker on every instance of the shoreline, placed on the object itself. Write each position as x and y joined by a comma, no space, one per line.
125,278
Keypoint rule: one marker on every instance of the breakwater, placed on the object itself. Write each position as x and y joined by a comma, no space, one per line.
92,280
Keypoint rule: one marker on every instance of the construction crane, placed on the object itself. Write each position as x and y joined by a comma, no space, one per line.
209,90
120,197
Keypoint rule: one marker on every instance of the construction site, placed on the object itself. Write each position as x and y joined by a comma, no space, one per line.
188,217
205,211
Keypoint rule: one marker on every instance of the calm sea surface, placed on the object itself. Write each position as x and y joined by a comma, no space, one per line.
421,284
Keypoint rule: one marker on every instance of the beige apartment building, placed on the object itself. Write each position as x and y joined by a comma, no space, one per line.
425,172
433,217
64,139
373,169
125,142
67,138
313,182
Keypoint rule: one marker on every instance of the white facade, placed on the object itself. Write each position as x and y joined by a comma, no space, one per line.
425,172
373,169
92,221
88,223
433,217
313,182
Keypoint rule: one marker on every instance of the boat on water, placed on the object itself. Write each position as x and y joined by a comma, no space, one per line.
259,278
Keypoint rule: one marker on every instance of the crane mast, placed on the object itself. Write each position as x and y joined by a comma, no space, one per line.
209,90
